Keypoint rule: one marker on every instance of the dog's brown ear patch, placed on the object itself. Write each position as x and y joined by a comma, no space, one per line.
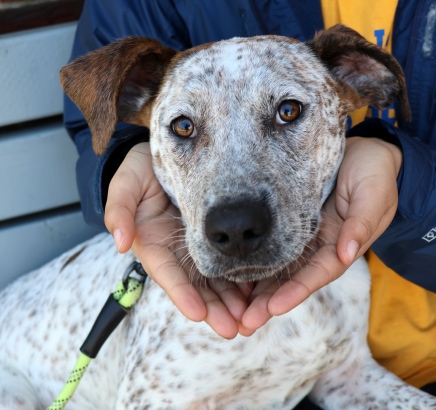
375,76
116,83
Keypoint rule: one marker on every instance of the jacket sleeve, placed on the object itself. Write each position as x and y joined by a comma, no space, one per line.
410,240
100,24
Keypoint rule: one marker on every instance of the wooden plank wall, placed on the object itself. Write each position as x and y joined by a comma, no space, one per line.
40,215
18,15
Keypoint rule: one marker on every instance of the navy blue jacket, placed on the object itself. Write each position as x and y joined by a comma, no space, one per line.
409,244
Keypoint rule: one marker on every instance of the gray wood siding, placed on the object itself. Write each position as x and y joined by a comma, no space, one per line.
40,215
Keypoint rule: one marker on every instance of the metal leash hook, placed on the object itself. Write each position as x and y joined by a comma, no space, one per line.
134,267
115,309
117,306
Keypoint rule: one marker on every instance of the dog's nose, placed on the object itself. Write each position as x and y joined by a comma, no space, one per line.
238,229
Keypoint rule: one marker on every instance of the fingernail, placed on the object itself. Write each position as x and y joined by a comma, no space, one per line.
118,238
351,251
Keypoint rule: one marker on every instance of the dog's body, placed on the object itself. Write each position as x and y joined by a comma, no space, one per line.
248,147
158,359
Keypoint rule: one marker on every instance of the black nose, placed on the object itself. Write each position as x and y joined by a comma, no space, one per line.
238,229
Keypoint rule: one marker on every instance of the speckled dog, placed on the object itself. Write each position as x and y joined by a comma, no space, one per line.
246,136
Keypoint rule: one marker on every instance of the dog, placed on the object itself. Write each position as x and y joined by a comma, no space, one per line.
247,136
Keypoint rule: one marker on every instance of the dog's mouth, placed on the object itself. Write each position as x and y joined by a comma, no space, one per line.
282,270
251,274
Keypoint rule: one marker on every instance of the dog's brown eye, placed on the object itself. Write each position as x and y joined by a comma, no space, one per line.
288,111
183,127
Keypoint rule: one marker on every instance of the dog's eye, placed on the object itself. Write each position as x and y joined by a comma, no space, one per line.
183,127
288,111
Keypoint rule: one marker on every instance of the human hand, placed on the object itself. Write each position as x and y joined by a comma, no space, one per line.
140,217
358,211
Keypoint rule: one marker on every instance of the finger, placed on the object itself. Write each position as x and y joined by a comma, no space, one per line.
365,220
120,221
257,313
163,267
323,268
133,180
246,288
233,295
367,194
226,302
243,331
218,316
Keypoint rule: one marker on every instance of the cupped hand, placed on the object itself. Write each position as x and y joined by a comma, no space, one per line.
357,212
141,217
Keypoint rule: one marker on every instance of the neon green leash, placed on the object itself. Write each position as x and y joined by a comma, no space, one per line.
126,294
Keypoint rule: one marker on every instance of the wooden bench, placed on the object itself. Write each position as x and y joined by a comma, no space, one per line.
40,215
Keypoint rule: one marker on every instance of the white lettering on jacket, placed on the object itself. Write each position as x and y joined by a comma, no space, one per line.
430,235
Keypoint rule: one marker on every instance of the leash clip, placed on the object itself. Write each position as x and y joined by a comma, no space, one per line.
134,267
114,310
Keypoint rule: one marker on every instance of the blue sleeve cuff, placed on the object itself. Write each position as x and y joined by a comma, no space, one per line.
94,173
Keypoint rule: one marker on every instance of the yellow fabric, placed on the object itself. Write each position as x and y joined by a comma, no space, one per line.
402,325
402,332
373,20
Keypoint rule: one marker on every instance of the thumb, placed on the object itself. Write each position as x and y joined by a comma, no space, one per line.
125,193
120,222
120,214
366,194
365,221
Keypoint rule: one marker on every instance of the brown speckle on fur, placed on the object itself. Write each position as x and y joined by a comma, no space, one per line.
240,153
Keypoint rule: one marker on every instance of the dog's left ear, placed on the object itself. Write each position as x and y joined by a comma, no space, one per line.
370,75
118,82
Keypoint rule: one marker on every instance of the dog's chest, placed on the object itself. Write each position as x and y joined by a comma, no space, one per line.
180,356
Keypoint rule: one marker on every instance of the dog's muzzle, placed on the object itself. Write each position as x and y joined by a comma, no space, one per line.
238,229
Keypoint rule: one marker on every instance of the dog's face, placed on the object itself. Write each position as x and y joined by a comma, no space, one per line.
247,136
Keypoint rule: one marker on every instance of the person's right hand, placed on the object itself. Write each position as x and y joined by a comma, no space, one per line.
141,217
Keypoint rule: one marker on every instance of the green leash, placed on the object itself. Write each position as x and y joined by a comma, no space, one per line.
126,294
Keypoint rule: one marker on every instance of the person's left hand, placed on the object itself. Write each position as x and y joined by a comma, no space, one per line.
357,212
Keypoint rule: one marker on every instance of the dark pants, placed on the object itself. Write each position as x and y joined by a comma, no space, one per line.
306,404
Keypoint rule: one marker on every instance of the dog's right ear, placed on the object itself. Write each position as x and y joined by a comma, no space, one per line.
116,83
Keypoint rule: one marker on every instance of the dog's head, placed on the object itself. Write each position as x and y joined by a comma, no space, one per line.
246,134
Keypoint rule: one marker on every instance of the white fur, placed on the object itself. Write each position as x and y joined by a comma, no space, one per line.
157,359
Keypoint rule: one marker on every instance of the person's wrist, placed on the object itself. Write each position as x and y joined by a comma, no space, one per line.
396,153
392,151
115,159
